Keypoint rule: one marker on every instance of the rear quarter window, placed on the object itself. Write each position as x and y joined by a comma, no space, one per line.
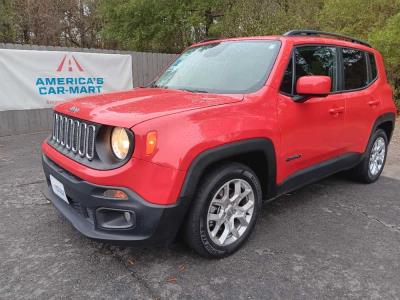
355,69
374,72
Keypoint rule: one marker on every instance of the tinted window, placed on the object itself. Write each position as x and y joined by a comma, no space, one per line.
374,73
286,85
355,69
316,60
225,67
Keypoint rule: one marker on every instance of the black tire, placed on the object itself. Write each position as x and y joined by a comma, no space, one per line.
195,229
362,172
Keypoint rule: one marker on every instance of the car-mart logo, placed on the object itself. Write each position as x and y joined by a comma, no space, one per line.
70,59
69,79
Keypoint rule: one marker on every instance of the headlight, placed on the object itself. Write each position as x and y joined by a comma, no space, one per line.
120,142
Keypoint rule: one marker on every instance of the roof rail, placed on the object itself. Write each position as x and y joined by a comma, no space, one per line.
334,35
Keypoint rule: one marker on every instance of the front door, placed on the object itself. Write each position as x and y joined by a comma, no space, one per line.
311,131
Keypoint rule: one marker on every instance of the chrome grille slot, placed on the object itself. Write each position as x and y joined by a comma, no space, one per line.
64,130
68,142
91,132
57,128
54,136
61,130
73,137
82,139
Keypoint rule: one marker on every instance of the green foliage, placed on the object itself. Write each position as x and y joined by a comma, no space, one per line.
157,25
387,40
7,33
377,21
254,17
357,17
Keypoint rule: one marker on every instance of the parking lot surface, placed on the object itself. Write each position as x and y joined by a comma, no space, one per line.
332,239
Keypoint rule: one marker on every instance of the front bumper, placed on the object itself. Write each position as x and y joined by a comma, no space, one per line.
153,224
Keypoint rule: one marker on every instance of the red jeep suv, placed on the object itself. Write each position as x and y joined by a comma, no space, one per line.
229,124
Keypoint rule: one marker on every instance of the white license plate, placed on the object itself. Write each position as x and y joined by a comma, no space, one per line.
58,188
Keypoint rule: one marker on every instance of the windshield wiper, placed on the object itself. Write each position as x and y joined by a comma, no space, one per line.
156,86
195,91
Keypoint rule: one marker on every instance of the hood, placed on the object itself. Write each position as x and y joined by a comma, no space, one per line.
128,108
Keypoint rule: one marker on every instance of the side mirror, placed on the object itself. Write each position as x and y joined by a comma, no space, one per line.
309,86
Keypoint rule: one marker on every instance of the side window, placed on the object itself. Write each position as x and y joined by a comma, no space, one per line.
355,69
372,62
286,85
316,60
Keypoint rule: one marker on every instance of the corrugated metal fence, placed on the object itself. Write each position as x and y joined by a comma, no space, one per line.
145,67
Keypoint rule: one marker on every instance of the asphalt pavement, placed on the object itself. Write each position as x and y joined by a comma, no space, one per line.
332,239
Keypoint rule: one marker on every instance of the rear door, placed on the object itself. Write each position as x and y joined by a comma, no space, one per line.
311,132
362,96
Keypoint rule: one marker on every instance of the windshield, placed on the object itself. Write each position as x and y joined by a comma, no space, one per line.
232,67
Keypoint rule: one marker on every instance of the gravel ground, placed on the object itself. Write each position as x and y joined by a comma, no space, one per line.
332,239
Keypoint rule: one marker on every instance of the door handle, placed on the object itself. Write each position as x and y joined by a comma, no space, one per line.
336,111
374,102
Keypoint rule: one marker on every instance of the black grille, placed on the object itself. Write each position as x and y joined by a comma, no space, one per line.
75,136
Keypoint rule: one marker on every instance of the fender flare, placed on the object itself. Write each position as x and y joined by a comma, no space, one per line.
224,152
383,118
386,117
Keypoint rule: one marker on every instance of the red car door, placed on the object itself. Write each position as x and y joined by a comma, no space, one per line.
362,87
311,132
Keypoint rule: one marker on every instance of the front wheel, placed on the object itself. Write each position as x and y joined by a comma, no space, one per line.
224,211
371,167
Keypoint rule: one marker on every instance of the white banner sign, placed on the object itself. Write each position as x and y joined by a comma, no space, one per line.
38,79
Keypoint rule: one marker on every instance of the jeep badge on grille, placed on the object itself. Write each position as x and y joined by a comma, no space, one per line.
74,109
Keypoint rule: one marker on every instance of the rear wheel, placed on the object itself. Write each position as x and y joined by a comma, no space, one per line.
224,211
371,167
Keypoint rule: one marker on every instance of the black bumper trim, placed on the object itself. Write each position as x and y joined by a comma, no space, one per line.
155,224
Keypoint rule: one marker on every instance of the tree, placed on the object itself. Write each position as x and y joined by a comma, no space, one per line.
56,23
163,25
80,23
377,21
357,17
6,24
254,17
387,40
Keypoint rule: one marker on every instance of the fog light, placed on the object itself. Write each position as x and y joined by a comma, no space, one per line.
115,194
127,216
111,218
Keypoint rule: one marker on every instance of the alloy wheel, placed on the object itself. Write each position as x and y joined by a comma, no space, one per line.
230,212
377,157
